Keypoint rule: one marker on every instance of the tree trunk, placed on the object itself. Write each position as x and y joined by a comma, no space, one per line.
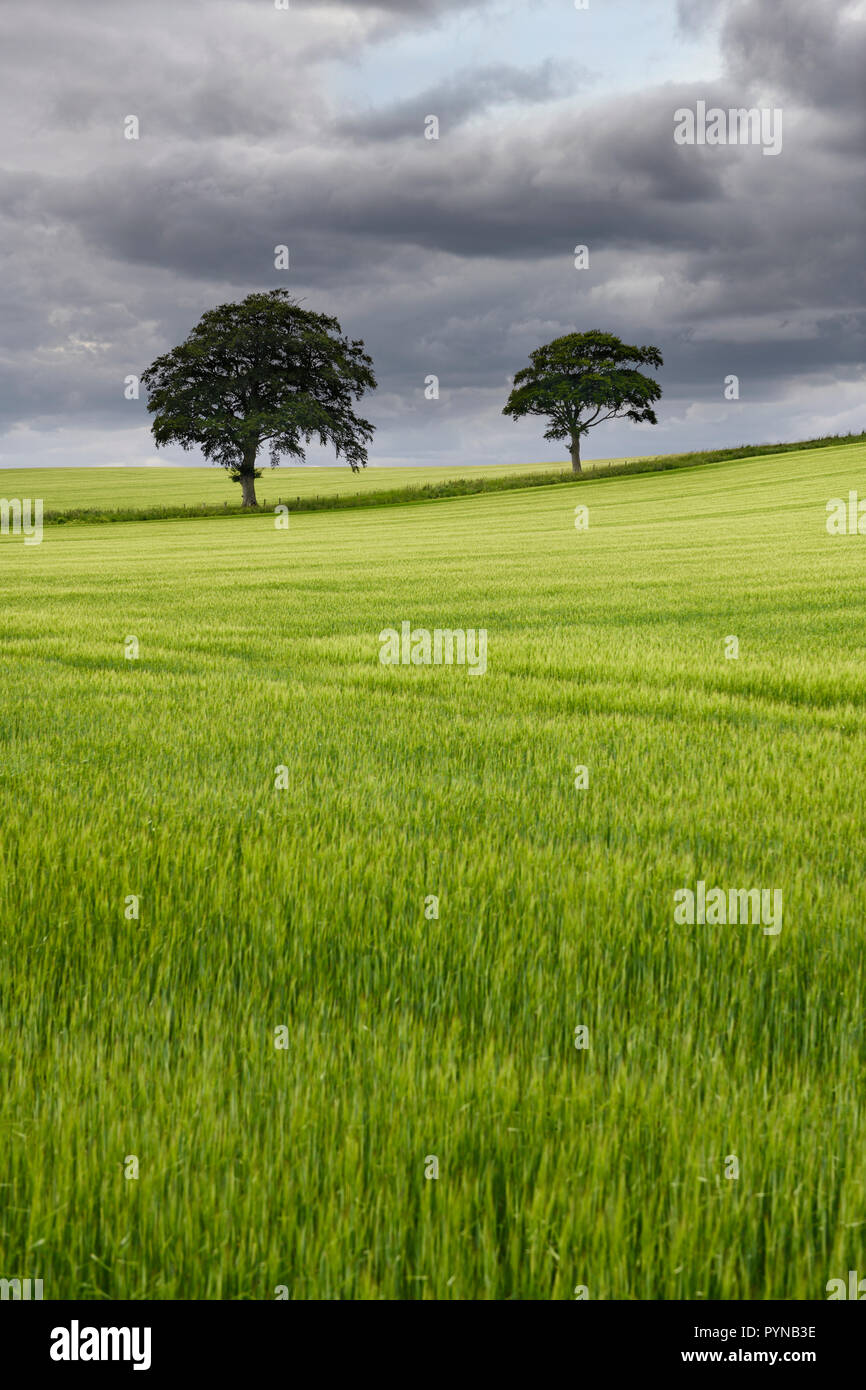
248,490
248,476
575,454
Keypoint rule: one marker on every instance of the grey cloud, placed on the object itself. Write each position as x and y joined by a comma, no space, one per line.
453,257
694,15
420,11
813,52
467,94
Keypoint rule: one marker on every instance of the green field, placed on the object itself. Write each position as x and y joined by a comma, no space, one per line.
64,489
305,908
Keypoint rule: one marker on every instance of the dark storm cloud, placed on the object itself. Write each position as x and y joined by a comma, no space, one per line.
814,51
615,180
451,256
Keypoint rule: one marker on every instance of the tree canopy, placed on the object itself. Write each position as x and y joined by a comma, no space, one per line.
582,379
262,372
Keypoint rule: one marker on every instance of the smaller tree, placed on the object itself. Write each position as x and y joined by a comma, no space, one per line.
262,372
583,379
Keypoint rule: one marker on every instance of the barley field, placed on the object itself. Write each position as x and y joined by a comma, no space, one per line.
148,1045
65,489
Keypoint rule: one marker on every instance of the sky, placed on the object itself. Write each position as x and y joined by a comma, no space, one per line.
304,127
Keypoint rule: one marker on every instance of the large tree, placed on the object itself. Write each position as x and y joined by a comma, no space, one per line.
582,379
262,372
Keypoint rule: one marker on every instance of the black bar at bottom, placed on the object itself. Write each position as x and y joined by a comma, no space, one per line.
419,1340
